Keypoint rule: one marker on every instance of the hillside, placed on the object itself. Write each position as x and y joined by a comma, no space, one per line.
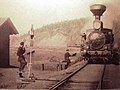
58,34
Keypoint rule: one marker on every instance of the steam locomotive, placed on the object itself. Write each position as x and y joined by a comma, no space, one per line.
98,45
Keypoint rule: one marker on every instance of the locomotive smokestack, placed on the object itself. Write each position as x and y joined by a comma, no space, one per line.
97,10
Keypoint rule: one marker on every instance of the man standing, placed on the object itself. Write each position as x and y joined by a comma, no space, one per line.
84,36
21,58
67,56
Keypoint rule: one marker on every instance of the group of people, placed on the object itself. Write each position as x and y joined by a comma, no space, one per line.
21,58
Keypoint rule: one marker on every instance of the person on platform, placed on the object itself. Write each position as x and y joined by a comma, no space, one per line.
21,58
67,56
84,36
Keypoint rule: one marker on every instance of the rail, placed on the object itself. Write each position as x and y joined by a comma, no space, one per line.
61,82
100,85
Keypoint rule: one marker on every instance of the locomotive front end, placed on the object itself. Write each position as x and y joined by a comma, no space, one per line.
99,40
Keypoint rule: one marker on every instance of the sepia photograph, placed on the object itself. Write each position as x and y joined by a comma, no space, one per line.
60,44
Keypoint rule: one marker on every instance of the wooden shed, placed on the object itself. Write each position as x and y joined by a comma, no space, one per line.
6,29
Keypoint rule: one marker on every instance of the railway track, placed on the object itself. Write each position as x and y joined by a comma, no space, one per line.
82,77
61,82
70,82
100,85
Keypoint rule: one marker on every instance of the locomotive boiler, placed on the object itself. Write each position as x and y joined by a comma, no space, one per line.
98,45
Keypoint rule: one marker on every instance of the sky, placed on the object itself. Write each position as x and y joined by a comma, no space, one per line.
24,13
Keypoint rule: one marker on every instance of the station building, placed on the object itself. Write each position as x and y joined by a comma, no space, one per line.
7,28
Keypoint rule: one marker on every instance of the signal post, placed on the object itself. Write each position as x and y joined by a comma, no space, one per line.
31,47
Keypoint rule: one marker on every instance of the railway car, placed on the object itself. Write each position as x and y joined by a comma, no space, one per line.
98,45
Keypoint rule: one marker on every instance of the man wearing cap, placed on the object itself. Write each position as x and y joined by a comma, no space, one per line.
21,58
67,56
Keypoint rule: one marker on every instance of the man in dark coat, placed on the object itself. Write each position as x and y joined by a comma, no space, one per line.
21,58
84,36
67,56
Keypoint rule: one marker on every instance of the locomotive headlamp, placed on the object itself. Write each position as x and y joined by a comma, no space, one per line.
97,24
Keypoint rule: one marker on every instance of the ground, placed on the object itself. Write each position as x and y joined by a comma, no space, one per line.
8,76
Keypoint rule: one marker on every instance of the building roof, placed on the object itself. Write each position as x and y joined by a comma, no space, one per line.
3,21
